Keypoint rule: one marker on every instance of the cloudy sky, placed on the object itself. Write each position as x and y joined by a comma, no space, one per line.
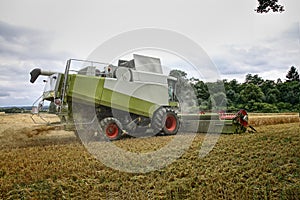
45,34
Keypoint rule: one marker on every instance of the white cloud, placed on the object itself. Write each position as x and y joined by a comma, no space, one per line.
269,57
21,50
45,34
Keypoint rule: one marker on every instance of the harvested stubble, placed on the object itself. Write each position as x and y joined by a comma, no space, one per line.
264,165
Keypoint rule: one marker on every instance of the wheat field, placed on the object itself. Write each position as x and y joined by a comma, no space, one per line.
41,162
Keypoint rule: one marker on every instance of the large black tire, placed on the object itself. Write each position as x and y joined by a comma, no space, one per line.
112,128
172,122
157,122
166,121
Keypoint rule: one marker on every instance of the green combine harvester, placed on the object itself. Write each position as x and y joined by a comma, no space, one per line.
134,94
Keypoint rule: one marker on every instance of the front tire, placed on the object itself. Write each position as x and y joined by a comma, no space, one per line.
112,128
165,120
172,123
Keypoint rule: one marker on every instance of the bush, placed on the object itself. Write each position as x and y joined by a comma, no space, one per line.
284,107
264,107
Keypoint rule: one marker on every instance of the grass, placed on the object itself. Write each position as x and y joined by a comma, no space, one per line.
264,165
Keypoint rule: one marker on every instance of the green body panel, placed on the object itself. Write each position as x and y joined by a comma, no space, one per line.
91,89
127,103
60,85
87,89
173,104
49,95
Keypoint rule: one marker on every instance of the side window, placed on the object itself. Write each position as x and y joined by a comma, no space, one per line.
171,90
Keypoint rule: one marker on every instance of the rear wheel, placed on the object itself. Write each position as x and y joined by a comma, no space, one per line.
112,128
165,120
171,125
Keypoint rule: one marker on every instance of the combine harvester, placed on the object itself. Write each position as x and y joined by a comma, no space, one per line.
132,95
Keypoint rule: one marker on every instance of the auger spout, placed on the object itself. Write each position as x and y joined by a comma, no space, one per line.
35,73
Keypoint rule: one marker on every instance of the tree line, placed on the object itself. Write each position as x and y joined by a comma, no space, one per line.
255,94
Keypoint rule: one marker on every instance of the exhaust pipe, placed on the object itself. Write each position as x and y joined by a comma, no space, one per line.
35,73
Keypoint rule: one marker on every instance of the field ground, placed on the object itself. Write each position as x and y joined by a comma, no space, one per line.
40,162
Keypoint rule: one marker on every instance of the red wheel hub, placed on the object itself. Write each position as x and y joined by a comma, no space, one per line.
171,123
112,130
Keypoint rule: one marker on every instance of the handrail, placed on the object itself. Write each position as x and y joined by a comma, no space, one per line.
63,89
67,70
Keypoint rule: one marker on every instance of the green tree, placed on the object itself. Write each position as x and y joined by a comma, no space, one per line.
256,80
289,92
279,81
272,96
201,90
267,85
292,74
270,91
251,92
232,97
284,107
264,107
255,94
265,6
232,89
184,91
178,74
215,87
219,100
234,85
